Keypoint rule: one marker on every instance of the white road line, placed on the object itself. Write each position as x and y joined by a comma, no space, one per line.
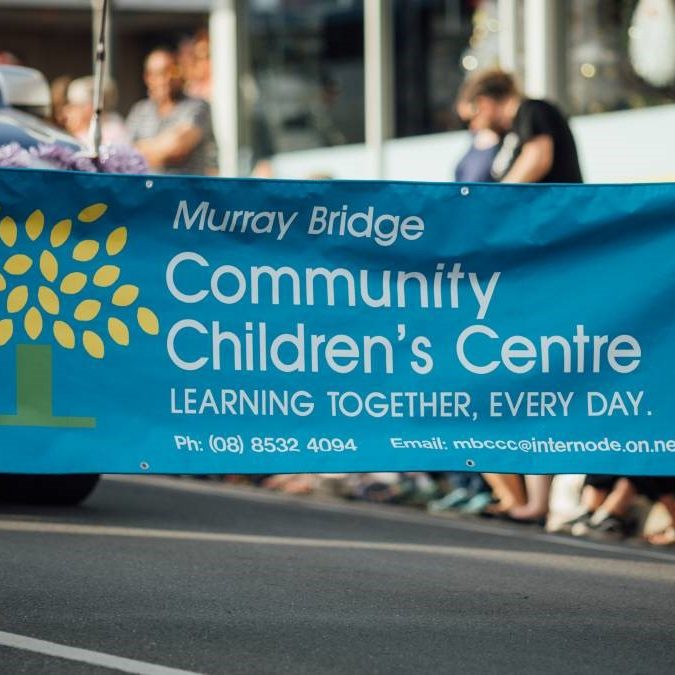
617,568
390,514
86,656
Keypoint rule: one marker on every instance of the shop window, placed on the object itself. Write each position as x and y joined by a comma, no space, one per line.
305,75
436,44
621,54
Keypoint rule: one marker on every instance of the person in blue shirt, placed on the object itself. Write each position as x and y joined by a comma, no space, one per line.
476,165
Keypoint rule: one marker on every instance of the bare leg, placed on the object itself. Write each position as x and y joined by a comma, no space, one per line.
508,489
620,498
592,497
538,488
616,503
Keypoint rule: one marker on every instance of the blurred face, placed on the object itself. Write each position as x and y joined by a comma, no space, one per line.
482,113
76,117
201,61
162,77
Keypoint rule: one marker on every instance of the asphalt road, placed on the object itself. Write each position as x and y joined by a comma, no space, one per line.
158,574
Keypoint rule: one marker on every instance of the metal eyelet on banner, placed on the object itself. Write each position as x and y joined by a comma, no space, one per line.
149,184
470,463
144,466
464,191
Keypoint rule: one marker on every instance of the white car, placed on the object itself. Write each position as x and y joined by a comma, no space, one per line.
25,102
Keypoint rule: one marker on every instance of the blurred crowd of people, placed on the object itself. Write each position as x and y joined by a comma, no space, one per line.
171,128
593,506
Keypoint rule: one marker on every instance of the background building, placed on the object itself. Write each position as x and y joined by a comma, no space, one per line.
365,88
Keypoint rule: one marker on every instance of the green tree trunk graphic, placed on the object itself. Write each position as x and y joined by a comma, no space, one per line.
34,392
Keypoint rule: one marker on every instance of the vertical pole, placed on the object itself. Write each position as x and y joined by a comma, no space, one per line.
99,78
378,94
224,40
509,34
544,49
98,6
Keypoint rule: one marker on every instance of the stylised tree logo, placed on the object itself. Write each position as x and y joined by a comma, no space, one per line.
44,297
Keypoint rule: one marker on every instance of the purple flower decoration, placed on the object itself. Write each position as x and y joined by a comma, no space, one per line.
62,157
13,156
121,159
112,159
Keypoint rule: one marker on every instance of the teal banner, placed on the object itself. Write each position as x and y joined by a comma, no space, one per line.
203,325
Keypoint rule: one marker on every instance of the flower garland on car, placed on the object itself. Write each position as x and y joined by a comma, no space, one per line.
112,159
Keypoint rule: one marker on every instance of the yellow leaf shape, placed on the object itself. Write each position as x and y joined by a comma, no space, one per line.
35,223
92,213
3,283
60,233
93,344
6,331
33,323
125,295
118,331
18,264
106,276
116,241
8,231
73,283
48,266
87,310
17,299
147,320
49,300
64,334
85,250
